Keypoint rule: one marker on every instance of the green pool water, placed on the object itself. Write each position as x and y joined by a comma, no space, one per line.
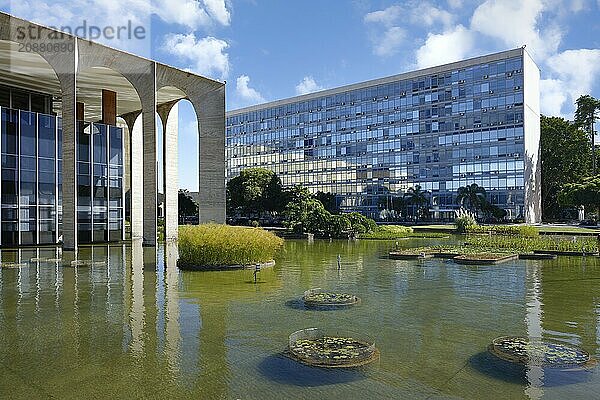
130,325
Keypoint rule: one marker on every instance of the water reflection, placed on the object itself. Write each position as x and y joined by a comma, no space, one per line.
123,321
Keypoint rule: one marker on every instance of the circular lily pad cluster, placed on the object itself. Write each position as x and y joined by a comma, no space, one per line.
308,346
538,352
318,297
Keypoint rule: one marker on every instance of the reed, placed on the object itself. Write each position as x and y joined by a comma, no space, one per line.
527,244
214,245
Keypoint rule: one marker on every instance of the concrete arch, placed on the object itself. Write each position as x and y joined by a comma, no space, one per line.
141,74
169,116
208,100
64,64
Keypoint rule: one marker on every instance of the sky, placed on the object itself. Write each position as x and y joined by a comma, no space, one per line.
272,49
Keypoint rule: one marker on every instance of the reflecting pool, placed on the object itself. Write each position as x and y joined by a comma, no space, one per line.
123,322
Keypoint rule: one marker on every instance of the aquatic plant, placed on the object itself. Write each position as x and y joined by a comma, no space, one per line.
538,352
320,297
223,245
506,230
464,220
527,244
388,232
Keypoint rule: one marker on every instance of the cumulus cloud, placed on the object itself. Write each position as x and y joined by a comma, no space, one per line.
393,19
390,43
307,85
574,73
245,92
206,56
515,23
190,13
453,45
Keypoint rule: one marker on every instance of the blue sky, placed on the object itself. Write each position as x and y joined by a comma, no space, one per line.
268,49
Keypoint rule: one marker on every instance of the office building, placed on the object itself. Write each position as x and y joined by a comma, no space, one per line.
440,128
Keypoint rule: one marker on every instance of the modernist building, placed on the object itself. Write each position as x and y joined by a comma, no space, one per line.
78,127
473,121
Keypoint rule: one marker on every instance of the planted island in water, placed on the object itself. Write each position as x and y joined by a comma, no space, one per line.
318,297
313,347
213,246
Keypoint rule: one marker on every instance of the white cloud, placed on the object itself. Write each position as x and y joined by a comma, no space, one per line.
453,45
455,3
245,92
193,14
218,10
553,97
307,85
417,12
386,17
394,18
390,43
574,72
207,55
515,22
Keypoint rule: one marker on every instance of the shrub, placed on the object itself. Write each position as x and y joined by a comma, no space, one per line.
211,245
464,221
361,224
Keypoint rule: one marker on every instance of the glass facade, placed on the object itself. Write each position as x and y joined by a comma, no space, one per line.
31,181
369,143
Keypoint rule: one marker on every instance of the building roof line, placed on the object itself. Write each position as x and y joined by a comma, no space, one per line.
78,38
379,81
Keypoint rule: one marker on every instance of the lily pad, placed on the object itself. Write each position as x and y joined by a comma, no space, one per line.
319,297
314,347
538,352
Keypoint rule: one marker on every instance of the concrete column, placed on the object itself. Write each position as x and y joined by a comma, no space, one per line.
169,113
137,180
210,110
133,176
149,161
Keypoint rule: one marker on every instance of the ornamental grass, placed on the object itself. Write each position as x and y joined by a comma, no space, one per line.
213,245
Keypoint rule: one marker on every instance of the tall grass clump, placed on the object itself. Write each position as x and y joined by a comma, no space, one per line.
586,245
464,221
213,245
504,230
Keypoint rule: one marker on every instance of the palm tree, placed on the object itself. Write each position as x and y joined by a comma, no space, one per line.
417,197
474,195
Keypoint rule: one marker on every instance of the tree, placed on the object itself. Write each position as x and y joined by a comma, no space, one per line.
418,198
399,205
565,155
187,205
586,193
474,195
255,191
329,201
586,114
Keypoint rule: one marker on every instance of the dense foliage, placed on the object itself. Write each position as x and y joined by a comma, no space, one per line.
565,155
255,191
186,205
473,196
307,215
586,193
211,245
